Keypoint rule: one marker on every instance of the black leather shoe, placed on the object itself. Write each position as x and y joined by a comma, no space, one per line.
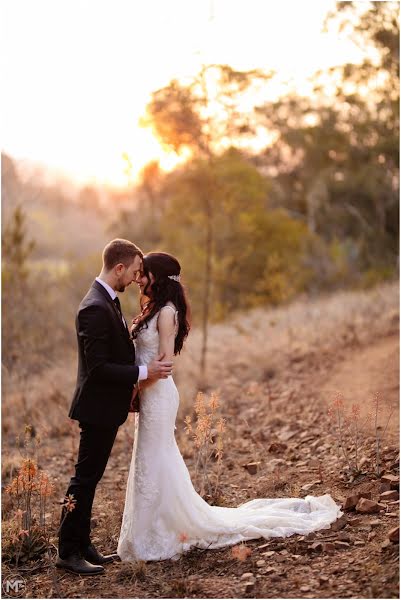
93,556
76,564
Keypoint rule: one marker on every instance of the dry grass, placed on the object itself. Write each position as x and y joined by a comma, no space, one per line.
255,344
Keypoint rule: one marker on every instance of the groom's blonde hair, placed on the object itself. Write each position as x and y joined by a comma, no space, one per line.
120,251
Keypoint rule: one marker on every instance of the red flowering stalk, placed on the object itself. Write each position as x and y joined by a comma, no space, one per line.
207,436
241,552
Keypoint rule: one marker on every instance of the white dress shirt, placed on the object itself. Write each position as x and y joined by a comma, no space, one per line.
143,369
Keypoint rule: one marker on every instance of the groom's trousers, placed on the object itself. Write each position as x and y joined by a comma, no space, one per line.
94,451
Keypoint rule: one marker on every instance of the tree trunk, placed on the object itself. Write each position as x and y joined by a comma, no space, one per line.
208,285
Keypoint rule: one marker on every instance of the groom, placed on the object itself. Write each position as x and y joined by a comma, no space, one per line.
106,376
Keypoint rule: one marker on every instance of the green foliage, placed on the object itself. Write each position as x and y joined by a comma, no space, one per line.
284,248
374,276
257,254
337,151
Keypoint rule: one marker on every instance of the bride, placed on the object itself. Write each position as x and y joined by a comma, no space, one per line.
163,514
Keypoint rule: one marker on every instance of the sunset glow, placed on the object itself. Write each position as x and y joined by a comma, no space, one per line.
78,75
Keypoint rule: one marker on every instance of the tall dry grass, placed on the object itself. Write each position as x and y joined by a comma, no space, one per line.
207,432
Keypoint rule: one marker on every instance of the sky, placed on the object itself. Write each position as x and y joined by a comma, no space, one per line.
77,74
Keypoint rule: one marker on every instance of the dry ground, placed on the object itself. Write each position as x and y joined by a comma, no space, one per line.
276,372
373,368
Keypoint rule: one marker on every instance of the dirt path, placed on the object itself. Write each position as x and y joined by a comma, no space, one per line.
366,371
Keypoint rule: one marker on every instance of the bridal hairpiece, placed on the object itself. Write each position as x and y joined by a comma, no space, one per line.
175,277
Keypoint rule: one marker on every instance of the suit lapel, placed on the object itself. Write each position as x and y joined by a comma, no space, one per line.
98,286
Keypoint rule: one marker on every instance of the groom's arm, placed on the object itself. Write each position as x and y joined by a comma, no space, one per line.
94,332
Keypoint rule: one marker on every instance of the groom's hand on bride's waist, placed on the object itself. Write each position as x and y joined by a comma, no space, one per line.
159,368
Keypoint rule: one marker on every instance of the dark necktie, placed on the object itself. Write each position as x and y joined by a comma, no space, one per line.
117,303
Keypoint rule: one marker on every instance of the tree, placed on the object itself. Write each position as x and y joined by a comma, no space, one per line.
258,255
199,120
16,250
151,181
10,185
336,152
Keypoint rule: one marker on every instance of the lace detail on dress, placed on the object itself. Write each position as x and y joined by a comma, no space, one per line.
161,503
145,485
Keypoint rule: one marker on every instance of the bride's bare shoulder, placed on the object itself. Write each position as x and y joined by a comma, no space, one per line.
167,316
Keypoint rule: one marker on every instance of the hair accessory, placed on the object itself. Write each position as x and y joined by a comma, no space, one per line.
175,277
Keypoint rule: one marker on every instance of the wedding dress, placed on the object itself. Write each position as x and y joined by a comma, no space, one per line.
163,514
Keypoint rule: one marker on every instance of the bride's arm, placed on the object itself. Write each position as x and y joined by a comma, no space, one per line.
166,328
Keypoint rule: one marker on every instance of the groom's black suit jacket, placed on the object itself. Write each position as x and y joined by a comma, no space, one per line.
106,362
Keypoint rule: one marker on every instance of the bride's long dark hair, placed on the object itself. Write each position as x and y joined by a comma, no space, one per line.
164,290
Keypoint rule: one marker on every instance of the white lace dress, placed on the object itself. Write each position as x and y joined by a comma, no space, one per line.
163,514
